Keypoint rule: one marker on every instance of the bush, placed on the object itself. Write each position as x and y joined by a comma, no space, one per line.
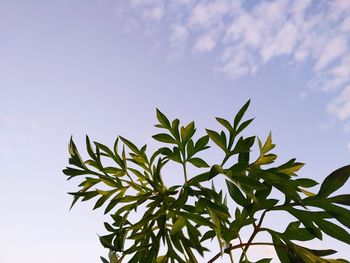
177,221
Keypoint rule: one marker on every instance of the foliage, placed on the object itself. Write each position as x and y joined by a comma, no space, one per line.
177,221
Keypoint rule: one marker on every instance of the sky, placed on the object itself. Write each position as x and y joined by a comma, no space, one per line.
101,67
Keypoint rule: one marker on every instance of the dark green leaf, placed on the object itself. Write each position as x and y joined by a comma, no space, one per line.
236,194
243,126
225,123
175,129
334,181
244,145
89,148
163,120
281,250
306,182
240,114
341,199
294,232
333,230
198,162
163,137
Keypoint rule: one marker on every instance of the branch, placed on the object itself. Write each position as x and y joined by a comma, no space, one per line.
255,232
245,245
228,249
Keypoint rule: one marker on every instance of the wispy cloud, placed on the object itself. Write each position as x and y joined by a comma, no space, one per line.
248,34
16,133
340,106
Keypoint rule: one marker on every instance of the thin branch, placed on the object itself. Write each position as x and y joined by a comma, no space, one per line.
228,249
255,232
243,251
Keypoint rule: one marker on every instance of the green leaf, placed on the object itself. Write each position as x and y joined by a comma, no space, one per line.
175,129
217,139
265,159
244,125
341,199
89,148
194,235
178,225
333,230
306,182
323,252
104,260
198,162
208,235
163,120
201,144
200,220
107,240
187,248
264,260
240,114
236,194
281,250
268,146
187,132
201,178
103,198
244,145
307,221
130,145
105,149
74,172
225,123
294,232
163,137
247,181
305,255
339,213
111,182
161,259
291,168
216,169
334,181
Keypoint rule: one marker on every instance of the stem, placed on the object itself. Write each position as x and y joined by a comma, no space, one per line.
185,171
239,246
183,152
225,160
243,252
231,257
255,232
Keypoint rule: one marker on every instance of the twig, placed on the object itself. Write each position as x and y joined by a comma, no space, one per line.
228,249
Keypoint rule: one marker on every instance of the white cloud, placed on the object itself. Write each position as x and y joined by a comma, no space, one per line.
248,34
16,132
281,44
333,49
154,13
204,44
341,105
245,29
204,15
178,40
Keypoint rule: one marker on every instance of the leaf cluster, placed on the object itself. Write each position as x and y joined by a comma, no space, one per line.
173,223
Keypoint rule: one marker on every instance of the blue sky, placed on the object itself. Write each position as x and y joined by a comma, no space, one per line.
102,67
